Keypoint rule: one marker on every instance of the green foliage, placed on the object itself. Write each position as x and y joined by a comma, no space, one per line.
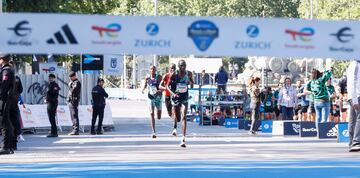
61,6
340,68
330,9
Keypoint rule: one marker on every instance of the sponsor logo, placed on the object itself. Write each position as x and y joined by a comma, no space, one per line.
63,36
90,59
345,133
113,62
343,37
332,132
309,129
21,35
203,33
152,29
27,111
60,110
300,37
51,69
296,127
228,123
108,35
252,32
266,126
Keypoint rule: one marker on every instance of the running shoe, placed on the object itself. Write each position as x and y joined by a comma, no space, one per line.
251,132
182,144
21,138
174,133
153,135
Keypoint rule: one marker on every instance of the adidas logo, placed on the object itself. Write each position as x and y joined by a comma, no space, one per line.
59,36
333,132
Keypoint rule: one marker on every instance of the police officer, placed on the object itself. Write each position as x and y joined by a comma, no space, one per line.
73,101
52,95
14,108
98,102
7,82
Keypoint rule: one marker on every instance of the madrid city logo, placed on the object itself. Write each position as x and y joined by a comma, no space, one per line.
203,33
21,34
342,39
300,38
113,62
108,34
252,31
152,29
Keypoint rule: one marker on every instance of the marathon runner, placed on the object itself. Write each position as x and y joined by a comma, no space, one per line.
163,84
152,82
178,87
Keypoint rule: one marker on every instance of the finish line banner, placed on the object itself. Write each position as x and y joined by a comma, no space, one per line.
26,33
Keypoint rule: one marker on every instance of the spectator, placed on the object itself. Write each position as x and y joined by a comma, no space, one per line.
343,97
255,103
353,74
332,94
304,103
287,100
205,78
275,102
221,78
267,99
320,94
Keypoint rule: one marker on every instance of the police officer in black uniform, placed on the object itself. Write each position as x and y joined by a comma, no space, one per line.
7,82
52,95
14,108
98,102
73,101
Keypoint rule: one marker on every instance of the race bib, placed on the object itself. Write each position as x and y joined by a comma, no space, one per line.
152,90
181,87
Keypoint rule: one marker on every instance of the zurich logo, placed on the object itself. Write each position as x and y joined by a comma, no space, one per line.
344,35
266,126
345,133
203,33
113,63
252,31
152,29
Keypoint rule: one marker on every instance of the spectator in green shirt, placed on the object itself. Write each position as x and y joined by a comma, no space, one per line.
317,86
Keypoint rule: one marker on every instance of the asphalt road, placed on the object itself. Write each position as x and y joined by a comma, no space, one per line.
212,151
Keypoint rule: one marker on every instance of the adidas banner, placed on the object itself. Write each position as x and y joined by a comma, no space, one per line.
327,130
24,33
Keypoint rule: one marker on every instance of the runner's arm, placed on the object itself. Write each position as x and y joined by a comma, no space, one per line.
162,85
145,84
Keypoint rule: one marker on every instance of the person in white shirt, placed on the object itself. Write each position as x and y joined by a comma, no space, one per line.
353,80
287,100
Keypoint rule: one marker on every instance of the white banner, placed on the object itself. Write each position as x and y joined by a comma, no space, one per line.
113,64
36,116
203,36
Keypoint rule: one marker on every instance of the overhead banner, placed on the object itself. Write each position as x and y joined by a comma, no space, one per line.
113,64
24,33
